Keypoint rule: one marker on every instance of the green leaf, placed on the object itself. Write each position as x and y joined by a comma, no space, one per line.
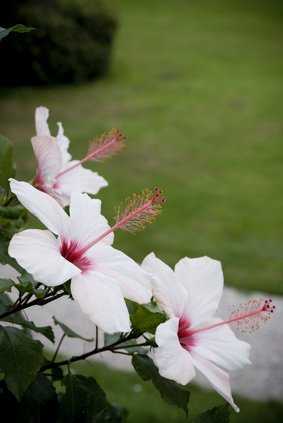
214,415
111,339
16,28
85,402
20,359
145,320
7,169
39,403
69,332
18,319
5,285
12,212
170,391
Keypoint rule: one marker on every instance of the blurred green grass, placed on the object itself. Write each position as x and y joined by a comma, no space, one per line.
197,88
145,404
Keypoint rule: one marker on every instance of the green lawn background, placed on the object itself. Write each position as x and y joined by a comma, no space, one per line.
197,88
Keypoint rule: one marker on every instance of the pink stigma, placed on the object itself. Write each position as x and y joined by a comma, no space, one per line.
186,338
71,251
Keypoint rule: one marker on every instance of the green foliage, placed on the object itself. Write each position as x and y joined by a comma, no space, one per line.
72,42
12,216
84,401
7,169
16,28
145,320
5,285
69,332
24,359
170,391
214,415
18,319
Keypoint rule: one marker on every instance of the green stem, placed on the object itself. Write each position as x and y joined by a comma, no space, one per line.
37,301
112,348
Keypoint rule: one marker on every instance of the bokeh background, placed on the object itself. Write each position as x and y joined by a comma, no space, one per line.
197,88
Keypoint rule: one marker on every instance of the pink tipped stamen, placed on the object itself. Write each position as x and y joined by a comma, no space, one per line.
248,317
108,145
147,207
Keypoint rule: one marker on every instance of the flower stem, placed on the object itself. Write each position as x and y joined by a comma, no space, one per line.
37,301
112,348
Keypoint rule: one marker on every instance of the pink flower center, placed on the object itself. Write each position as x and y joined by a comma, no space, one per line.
186,338
72,252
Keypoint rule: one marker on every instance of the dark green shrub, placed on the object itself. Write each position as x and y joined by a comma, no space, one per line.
72,41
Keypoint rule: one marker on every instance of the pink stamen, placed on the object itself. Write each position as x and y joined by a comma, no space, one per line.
146,210
106,146
72,252
247,317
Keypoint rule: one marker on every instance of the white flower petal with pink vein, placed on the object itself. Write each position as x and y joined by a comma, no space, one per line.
80,179
41,118
8,272
125,272
101,299
203,279
170,294
218,378
87,221
101,276
221,346
42,206
173,361
37,251
63,143
190,337
48,156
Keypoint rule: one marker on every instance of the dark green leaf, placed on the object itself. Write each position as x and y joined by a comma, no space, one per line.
9,406
16,28
170,391
20,359
57,373
214,415
5,285
146,320
85,402
111,339
18,319
39,403
12,212
69,332
6,161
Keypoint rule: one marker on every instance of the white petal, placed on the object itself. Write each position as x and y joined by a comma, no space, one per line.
80,179
131,278
48,156
168,291
172,360
41,125
221,346
8,272
87,221
63,143
38,253
203,279
218,378
41,205
101,299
